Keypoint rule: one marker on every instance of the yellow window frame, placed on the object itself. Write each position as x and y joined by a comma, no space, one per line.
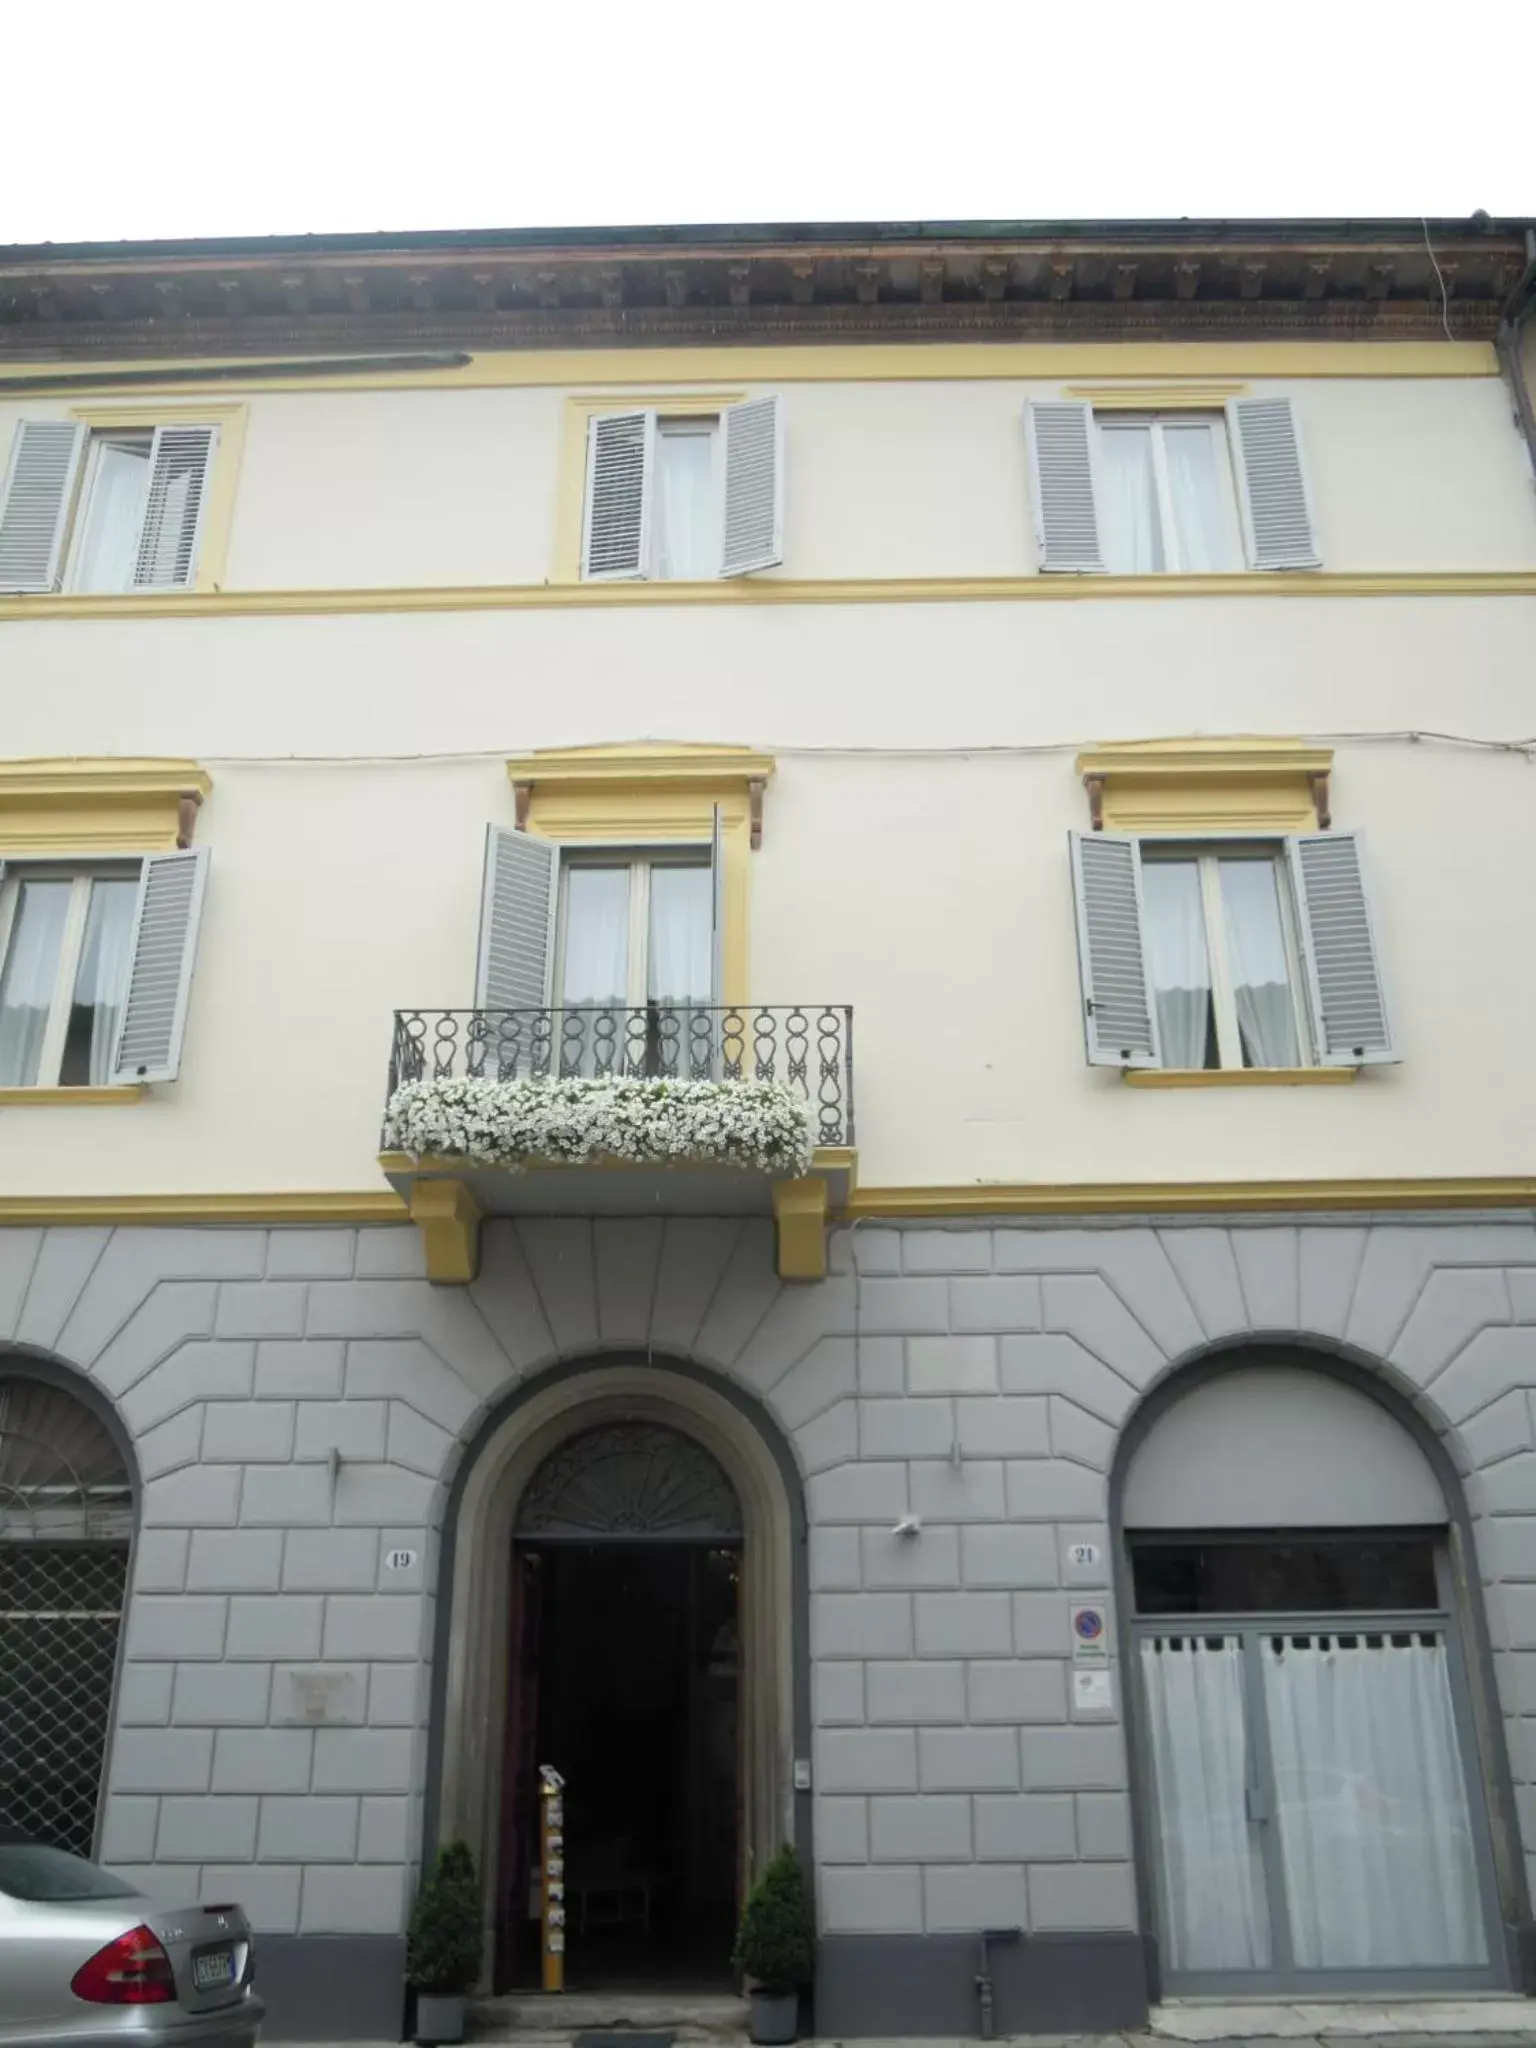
219,501
571,486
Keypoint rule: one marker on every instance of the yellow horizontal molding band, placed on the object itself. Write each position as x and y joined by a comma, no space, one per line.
80,806
638,765
1063,1198
1238,1077
1175,1198
817,362
72,1098
505,597
373,1205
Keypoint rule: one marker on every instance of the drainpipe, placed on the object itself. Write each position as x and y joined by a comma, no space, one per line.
1518,308
991,1937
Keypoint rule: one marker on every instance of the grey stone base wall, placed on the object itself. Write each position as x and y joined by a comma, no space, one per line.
332,1987
905,1986
299,1401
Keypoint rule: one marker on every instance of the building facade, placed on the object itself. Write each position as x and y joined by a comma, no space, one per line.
1055,702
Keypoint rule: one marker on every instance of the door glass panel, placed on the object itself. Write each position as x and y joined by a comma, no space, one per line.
1261,975
1370,1802
1128,523
687,546
101,983
1309,1575
1181,972
1215,1907
1197,491
31,970
113,521
680,967
594,969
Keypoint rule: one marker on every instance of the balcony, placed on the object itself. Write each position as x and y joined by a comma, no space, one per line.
621,1112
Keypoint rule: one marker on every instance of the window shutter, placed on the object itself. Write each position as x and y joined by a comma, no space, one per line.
173,507
1060,437
160,966
1119,1015
1272,485
616,523
516,921
1338,937
34,505
753,433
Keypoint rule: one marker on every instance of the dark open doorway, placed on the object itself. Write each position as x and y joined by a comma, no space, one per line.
624,1673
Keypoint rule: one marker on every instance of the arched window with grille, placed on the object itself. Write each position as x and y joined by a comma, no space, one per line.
66,1524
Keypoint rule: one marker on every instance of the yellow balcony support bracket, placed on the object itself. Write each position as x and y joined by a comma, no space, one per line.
448,1217
800,1212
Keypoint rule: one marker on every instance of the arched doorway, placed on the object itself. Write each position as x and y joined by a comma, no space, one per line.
624,1584
1312,1809
66,1525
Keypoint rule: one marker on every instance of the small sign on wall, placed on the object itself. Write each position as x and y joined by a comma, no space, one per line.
1093,1691
1090,1635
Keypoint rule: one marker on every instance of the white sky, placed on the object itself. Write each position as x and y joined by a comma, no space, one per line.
212,117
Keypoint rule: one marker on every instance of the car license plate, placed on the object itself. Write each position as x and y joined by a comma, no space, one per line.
213,1969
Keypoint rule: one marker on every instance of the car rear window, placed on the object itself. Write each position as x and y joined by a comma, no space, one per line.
48,1877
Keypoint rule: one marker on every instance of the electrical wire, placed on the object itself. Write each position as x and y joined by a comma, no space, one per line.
999,750
1445,297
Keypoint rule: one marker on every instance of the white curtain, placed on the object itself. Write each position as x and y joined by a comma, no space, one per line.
1197,492
102,981
1213,1880
1181,973
31,970
687,547
1129,530
1261,977
1375,1838
680,965
114,516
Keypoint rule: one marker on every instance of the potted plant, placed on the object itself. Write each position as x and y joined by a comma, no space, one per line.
776,1947
444,1943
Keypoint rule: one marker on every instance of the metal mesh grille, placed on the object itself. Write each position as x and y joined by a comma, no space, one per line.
60,1610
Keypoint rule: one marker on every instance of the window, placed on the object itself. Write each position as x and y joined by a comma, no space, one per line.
683,497
635,930
1233,956
65,976
1165,494
95,966
1173,493
104,509
1223,960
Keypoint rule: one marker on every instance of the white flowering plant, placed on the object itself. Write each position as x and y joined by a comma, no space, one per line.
580,1119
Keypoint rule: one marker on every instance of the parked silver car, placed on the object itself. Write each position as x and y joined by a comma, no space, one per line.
88,1962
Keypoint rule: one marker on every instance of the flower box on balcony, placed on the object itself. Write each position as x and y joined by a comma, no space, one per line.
764,1126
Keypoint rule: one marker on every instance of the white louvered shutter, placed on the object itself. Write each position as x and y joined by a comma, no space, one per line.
160,959
1060,439
1350,1027
753,434
1272,485
1119,1015
35,502
516,921
621,467
179,463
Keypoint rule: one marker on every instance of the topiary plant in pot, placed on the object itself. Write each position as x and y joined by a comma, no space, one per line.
444,1943
776,1946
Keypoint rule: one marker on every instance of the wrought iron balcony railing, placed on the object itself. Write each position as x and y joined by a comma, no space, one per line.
809,1046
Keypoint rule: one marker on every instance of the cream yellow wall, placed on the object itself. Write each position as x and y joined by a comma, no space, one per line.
883,479
929,890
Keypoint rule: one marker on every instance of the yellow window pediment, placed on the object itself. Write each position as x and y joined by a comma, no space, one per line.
1237,783
75,808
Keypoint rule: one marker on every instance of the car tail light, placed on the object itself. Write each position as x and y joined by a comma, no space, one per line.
133,1970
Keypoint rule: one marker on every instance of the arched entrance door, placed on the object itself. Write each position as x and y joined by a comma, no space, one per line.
624,1665
1314,1817
66,1521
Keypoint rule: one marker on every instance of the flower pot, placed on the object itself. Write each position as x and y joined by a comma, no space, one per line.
440,2016
774,2016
